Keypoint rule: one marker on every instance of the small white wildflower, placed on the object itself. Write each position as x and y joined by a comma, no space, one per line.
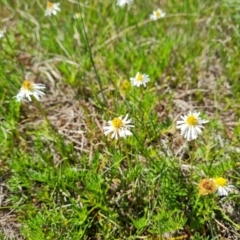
29,89
78,15
2,33
157,14
140,79
122,3
191,125
52,9
118,127
223,188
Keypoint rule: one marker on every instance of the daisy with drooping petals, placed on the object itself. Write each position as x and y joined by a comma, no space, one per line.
191,125
157,14
29,89
52,9
207,186
122,3
118,127
140,79
2,33
223,188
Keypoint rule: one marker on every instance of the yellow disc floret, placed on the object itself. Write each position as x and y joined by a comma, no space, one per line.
158,13
139,77
77,15
192,120
27,85
49,5
222,182
117,123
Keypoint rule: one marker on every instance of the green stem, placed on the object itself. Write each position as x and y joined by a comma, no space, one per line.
228,219
43,113
85,37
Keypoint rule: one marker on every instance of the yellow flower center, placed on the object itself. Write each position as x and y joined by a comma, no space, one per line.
117,123
222,182
49,5
77,15
27,85
158,14
192,120
139,77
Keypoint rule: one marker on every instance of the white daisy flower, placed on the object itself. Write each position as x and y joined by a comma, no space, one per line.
2,33
78,16
191,125
122,3
29,88
118,127
157,14
140,79
52,9
223,188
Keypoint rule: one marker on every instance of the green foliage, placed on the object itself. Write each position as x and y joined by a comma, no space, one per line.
166,220
64,178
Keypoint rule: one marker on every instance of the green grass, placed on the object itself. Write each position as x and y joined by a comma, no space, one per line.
62,178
